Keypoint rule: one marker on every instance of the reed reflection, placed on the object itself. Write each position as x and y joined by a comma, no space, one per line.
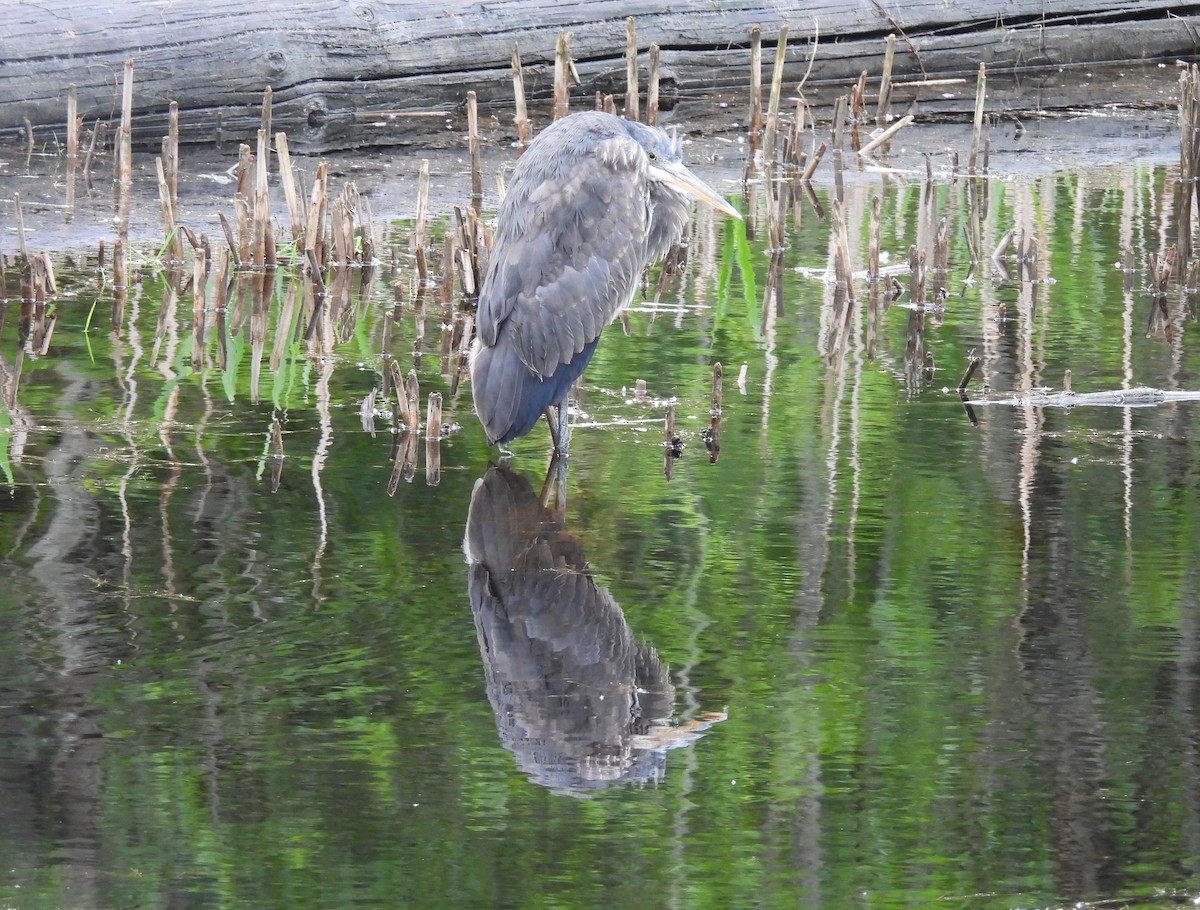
579,702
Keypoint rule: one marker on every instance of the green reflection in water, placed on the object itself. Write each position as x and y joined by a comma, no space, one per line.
958,661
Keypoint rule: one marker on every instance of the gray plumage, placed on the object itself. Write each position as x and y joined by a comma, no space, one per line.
594,200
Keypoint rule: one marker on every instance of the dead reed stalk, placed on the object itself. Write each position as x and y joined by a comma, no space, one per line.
521,117
884,110
755,118
652,88
473,143
976,129
632,90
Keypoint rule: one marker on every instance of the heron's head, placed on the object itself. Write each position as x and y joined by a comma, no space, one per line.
666,167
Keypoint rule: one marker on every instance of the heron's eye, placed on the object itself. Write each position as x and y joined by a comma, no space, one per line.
652,155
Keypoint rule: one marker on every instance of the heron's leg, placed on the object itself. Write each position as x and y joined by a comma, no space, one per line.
560,432
564,428
552,423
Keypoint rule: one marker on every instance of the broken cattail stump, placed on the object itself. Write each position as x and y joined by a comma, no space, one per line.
884,111
265,127
838,134
562,71
741,378
521,116
858,96
228,231
174,241
171,150
418,235
72,122
91,152
652,86
886,135
793,153
755,118
632,90
980,94
1066,385
21,246
467,247
126,144
412,409
772,130
473,144
287,177
262,212
314,229
365,232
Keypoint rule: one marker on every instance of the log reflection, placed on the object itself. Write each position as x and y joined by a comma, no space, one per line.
580,703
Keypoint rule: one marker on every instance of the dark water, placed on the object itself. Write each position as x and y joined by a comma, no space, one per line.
874,656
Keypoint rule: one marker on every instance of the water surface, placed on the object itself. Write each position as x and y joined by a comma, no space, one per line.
876,655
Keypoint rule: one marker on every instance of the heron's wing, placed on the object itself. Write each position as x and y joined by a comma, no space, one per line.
569,251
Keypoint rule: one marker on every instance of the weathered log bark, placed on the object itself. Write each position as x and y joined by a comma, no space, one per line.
335,67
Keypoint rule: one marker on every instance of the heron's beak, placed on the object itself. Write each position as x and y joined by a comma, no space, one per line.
678,176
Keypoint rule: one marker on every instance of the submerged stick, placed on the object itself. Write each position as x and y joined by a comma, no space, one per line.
972,365
886,135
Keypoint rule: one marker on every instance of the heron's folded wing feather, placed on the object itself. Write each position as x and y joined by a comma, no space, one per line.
570,256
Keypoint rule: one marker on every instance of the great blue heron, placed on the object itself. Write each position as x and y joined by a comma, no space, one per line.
594,200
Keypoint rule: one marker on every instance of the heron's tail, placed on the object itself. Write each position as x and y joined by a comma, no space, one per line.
510,397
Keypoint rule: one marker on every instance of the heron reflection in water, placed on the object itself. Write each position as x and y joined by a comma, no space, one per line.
594,200
579,702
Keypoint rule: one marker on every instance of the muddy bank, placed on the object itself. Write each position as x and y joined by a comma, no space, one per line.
1028,140
372,71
